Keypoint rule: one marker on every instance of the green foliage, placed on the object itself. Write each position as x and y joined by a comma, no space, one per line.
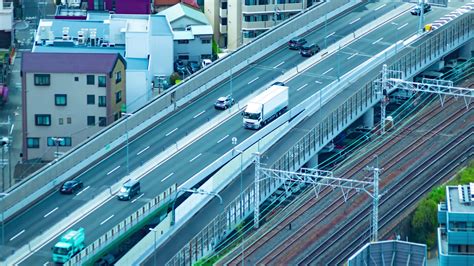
215,48
174,77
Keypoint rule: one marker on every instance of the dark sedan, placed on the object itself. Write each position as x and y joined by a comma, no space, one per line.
70,187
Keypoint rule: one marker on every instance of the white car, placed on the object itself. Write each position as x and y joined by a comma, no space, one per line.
206,62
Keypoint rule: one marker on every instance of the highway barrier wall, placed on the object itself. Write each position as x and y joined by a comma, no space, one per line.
421,53
86,154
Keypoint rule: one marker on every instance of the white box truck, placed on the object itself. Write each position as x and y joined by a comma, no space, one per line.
265,107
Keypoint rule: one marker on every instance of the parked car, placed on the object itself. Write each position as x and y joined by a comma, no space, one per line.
296,43
180,67
71,186
193,66
205,62
416,11
309,49
224,102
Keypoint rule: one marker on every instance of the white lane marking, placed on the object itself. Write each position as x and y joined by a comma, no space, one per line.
377,40
380,7
17,235
195,157
327,71
46,215
253,80
168,176
402,26
330,35
138,197
199,114
79,193
394,23
171,132
46,263
318,82
355,20
302,87
140,152
279,64
352,55
113,170
219,141
104,221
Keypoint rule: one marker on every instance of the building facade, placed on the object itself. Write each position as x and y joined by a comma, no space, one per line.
68,97
456,226
120,6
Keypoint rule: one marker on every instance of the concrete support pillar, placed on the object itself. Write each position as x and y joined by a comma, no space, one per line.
467,50
313,162
368,118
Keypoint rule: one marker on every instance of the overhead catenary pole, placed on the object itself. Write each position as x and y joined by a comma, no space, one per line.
256,215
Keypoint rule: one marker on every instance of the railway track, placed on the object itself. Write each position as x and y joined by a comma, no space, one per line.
274,254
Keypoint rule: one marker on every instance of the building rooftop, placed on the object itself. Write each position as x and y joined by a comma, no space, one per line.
181,10
460,198
137,25
390,252
64,11
160,26
57,28
68,62
120,49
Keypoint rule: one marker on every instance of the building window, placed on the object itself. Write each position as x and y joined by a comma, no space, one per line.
118,96
224,5
33,143
102,121
90,79
61,121
206,41
76,78
223,21
183,57
102,101
91,120
69,120
64,141
118,77
60,99
183,41
90,99
42,79
102,81
205,56
43,120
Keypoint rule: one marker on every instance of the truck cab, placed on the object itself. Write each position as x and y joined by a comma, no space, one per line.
69,245
253,116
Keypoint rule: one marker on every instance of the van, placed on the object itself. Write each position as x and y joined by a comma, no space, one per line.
129,189
309,49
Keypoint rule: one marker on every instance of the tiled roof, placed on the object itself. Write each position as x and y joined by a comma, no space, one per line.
68,62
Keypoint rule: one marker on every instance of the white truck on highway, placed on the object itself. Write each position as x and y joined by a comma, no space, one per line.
265,107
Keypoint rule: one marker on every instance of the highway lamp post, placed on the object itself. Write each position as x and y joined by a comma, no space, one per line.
57,142
194,191
126,129
3,142
2,195
234,142
154,245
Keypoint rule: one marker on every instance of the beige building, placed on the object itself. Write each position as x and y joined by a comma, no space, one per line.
236,22
68,97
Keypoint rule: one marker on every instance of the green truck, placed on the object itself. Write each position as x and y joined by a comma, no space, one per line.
71,243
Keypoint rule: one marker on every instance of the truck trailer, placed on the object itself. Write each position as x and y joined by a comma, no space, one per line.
265,107
69,245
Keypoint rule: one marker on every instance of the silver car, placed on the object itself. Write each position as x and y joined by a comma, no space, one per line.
224,102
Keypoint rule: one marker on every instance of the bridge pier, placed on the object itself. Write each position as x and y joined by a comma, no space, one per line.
368,118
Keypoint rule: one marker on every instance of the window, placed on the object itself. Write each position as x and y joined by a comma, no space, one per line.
60,99
206,41
76,78
90,99
102,101
91,120
183,41
43,120
69,120
205,56
61,121
102,81
224,5
90,79
102,121
223,21
62,141
118,96
33,143
118,77
42,79
183,57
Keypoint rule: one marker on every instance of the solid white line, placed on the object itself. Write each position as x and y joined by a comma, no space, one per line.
140,152
377,40
171,132
402,26
279,64
302,87
199,114
352,55
328,71
330,35
219,141
168,176
138,197
195,157
17,235
55,209
380,7
104,221
253,80
79,193
113,170
355,20
318,82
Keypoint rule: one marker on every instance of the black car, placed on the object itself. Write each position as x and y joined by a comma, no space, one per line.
224,102
70,187
416,11
193,66
278,83
180,67
296,43
309,49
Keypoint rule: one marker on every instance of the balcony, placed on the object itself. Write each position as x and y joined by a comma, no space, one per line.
222,28
460,237
252,9
257,24
222,13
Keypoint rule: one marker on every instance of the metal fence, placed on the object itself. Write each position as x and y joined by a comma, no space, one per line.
410,61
